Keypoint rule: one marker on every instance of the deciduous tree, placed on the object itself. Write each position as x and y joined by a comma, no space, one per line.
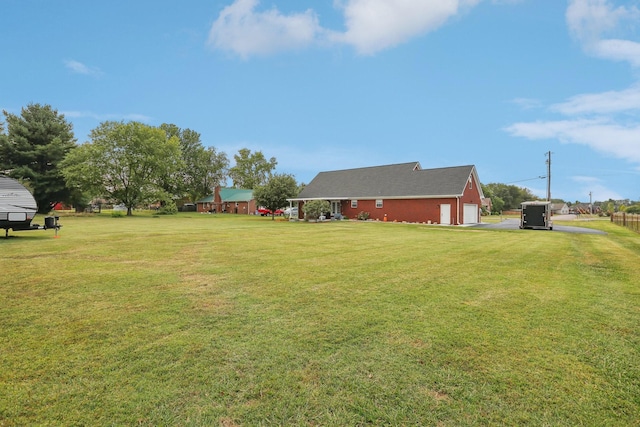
497,204
203,168
511,195
126,162
274,194
251,169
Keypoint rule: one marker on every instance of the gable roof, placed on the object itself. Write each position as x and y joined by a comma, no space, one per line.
230,195
404,180
235,195
207,199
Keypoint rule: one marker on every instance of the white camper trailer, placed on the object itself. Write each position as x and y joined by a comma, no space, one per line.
18,208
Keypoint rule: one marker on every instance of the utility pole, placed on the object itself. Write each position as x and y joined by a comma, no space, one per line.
548,176
590,203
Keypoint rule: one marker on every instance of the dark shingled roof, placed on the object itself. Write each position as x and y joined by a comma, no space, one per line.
391,181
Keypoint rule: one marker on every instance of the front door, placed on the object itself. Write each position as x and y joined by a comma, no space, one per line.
445,214
336,208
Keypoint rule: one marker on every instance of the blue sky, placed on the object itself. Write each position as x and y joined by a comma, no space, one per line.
326,85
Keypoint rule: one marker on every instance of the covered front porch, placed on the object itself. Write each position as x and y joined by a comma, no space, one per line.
335,211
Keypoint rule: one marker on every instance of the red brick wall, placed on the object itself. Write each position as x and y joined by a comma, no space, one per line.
203,207
471,195
413,210
245,208
410,210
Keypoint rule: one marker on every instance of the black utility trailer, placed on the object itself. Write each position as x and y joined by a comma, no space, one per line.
536,215
18,208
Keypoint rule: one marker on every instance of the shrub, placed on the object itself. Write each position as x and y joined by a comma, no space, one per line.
315,208
117,214
169,208
363,216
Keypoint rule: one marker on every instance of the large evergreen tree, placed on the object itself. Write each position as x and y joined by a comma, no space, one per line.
35,143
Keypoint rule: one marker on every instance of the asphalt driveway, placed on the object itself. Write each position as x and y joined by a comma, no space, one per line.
514,224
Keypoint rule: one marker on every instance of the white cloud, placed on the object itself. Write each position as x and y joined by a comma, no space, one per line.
597,189
585,179
80,68
591,22
590,19
601,103
618,50
104,117
371,25
602,135
594,118
527,103
242,30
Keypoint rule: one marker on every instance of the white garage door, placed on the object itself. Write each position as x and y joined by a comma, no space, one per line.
470,214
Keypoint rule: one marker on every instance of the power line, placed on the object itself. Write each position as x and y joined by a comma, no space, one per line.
528,179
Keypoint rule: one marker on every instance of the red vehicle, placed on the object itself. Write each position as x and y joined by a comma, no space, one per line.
266,212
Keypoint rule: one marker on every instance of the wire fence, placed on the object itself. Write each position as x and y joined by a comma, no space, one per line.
631,221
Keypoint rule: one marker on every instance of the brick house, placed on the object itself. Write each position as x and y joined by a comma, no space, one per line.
399,192
228,200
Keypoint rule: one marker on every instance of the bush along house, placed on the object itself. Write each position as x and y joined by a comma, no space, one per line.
401,192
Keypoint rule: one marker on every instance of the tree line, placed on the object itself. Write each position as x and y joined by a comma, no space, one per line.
130,163
509,197
506,197
133,163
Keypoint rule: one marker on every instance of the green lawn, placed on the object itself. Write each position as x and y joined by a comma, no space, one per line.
224,320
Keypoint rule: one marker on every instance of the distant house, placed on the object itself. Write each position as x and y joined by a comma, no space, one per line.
399,192
487,205
559,209
584,208
228,200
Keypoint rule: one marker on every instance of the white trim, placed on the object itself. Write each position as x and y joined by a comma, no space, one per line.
444,196
474,172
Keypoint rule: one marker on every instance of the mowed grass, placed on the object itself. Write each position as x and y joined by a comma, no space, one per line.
242,321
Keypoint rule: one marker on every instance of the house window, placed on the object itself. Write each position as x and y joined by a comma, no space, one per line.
379,203
470,184
354,204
